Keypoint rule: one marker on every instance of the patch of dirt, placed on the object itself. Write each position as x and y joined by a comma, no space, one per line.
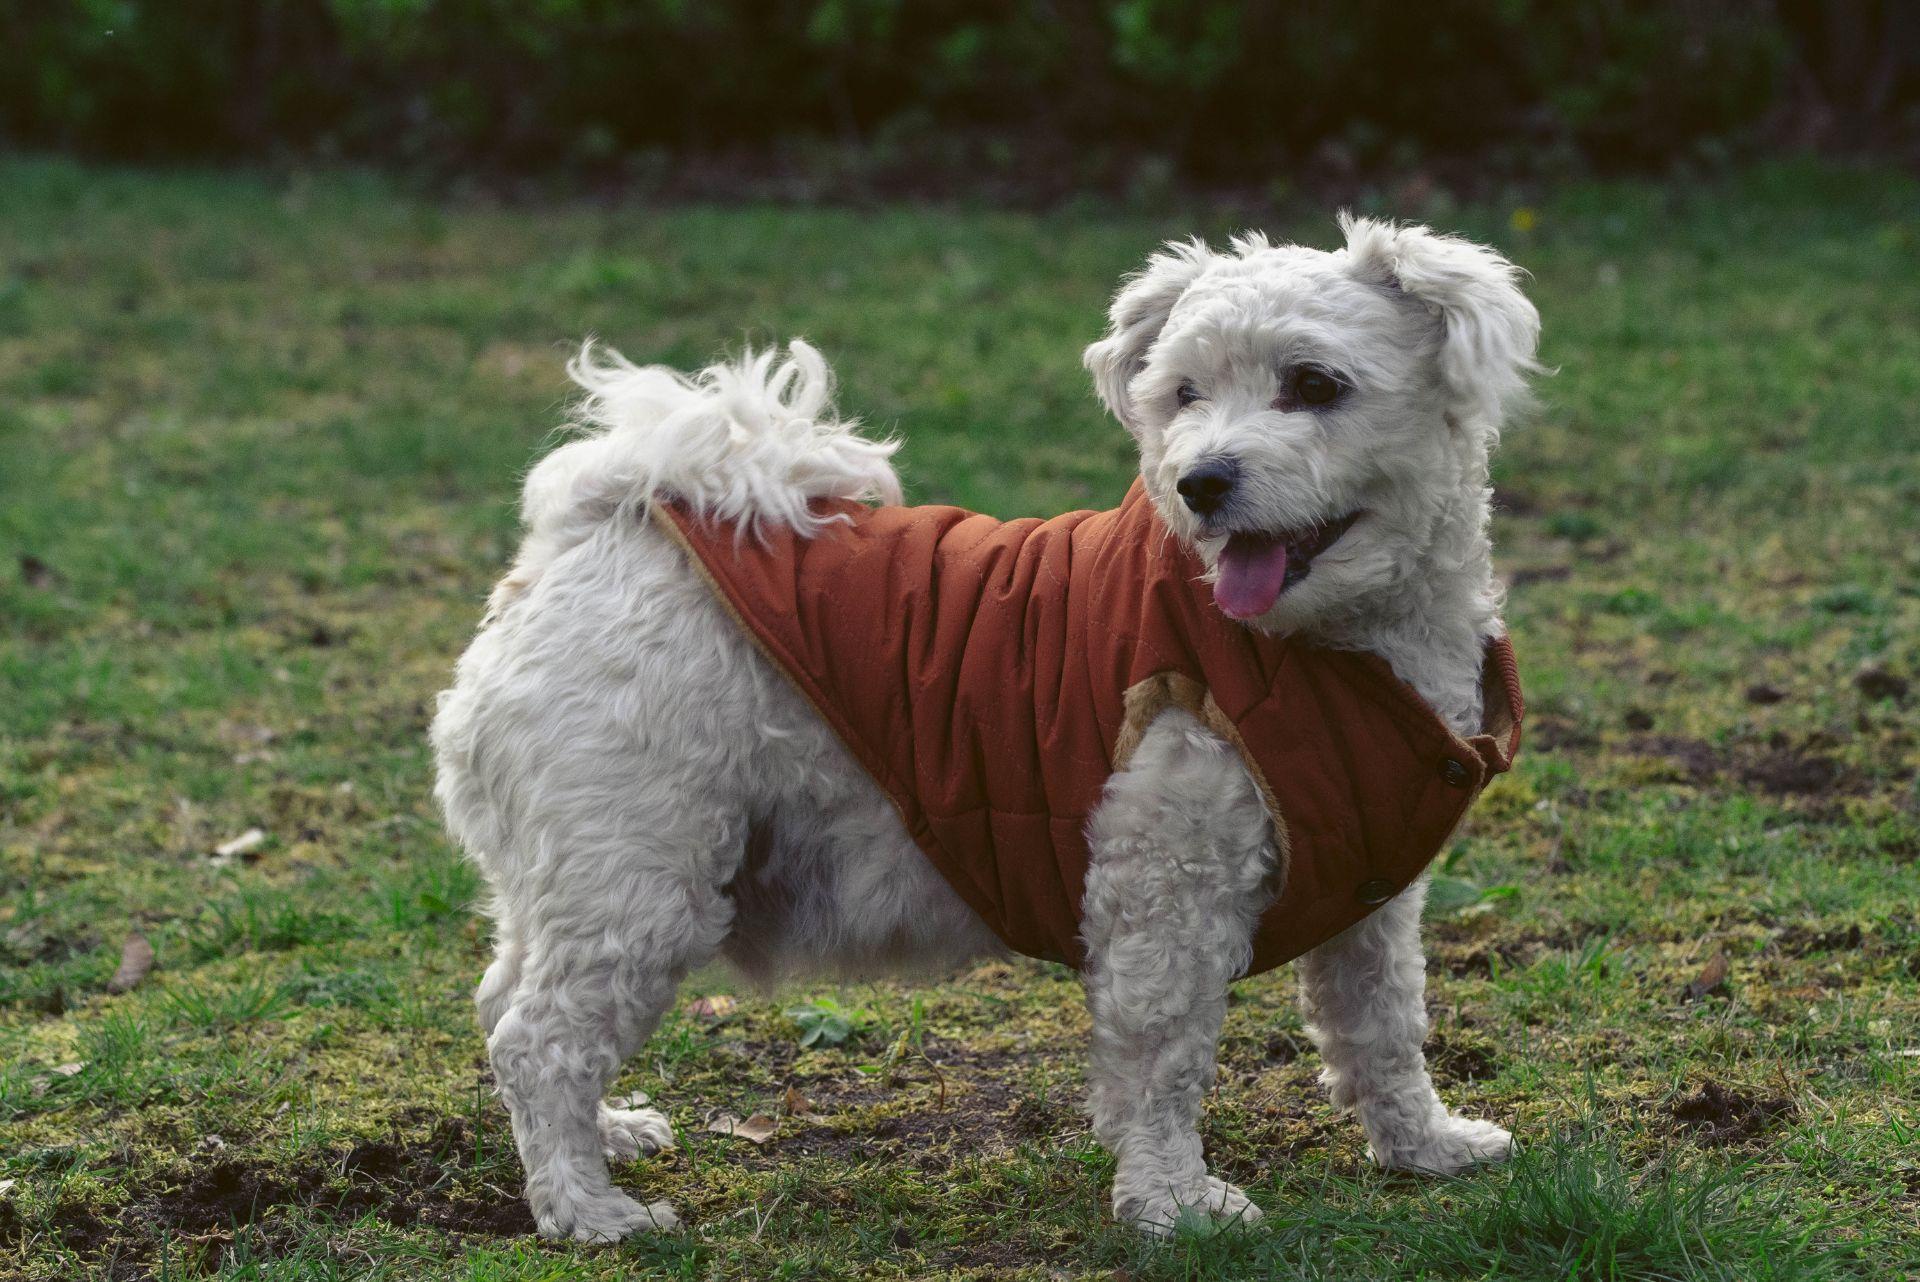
1765,695
1716,1115
407,1182
972,1121
978,1118
1539,574
1699,761
1875,682
81,1228
1782,771
985,1110
1282,1048
774,1055
1452,1062
1276,1124
1037,1116
402,1182
1551,734
24,945
36,573
227,1192
949,1053
1792,774
831,1095
320,634
1477,958
1802,941
1515,502
994,1257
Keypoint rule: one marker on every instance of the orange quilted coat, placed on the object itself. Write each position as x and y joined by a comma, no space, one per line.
991,675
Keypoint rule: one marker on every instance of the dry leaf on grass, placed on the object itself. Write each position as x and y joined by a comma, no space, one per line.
757,1129
1711,976
6,1185
715,1008
136,959
36,573
795,1104
40,1085
247,843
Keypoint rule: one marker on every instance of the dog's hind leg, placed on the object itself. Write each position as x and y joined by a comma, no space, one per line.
497,986
624,1132
1364,996
604,957
1181,848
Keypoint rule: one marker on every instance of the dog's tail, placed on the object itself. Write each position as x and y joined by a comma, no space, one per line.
751,441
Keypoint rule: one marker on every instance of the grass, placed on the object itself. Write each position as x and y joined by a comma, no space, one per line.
258,448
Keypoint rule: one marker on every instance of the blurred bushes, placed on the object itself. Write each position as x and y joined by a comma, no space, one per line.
1215,87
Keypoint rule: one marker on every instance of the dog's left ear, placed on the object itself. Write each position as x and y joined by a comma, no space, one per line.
1138,314
1489,329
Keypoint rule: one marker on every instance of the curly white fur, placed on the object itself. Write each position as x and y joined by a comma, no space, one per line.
644,793
747,441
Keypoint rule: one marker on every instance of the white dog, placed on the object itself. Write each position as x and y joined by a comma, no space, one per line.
644,791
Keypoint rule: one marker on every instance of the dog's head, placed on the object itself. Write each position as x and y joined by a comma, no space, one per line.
1316,425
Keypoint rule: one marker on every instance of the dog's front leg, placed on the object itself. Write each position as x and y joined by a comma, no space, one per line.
1181,847
1364,996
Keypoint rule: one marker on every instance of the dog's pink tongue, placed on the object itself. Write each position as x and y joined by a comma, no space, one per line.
1251,572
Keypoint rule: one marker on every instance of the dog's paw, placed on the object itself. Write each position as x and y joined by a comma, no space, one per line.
1450,1145
627,1133
604,1217
1209,1205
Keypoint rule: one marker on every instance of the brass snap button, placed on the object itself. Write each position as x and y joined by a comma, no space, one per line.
1374,893
1455,772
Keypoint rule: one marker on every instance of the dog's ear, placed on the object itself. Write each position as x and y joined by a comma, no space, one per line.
1139,311
1489,329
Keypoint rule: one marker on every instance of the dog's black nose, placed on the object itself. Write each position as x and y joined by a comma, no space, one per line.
1207,486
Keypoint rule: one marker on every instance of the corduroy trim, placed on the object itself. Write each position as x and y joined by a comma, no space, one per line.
1145,700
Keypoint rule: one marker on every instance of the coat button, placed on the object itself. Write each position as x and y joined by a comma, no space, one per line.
1374,893
1455,772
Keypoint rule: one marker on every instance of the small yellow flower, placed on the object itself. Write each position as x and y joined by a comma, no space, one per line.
1523,219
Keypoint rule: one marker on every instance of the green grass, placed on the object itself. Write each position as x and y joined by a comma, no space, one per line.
259,441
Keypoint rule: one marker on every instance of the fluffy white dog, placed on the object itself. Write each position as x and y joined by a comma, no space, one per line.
644,792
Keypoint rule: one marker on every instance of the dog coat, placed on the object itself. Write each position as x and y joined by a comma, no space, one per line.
992,675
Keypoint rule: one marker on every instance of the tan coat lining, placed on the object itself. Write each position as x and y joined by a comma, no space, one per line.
1146,700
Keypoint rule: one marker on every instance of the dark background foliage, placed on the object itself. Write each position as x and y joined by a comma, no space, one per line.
1055,94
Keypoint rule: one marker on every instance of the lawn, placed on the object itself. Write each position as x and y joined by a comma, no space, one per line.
259,446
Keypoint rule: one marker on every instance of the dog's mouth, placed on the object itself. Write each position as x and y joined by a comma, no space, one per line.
1256,567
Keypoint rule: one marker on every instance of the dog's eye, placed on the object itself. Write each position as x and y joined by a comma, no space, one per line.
1310,386
1187,395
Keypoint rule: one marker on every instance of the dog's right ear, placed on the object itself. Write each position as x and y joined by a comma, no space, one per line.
1139,311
